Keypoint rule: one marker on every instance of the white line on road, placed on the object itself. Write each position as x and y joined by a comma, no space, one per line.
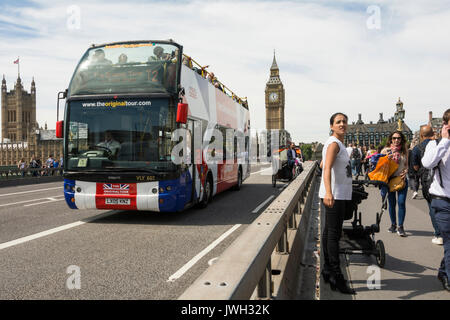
15,193
270,168
50,200
263,204
52,231
195,259
25,201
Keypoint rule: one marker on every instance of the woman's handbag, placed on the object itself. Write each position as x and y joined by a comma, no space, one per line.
396,184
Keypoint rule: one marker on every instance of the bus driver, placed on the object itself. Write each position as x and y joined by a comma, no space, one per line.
110,143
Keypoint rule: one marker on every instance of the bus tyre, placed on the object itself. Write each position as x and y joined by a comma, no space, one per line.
207,191
237,187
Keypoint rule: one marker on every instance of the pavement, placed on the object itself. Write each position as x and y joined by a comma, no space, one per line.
412,262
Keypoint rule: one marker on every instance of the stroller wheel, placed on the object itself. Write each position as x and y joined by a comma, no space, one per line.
274,181
381,253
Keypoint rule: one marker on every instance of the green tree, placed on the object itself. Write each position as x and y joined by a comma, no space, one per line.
306,151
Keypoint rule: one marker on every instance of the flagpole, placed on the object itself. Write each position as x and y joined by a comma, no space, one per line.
18,67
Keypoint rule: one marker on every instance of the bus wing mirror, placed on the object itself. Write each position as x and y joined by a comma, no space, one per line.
60,129
182,112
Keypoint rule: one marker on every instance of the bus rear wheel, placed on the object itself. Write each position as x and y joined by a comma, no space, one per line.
206,194
239,180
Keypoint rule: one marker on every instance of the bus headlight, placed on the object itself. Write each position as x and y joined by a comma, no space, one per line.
168,188
161,190
154,190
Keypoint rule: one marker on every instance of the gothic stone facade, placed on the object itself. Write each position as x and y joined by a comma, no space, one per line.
21,136
365,134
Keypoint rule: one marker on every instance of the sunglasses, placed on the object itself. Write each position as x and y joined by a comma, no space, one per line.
396,138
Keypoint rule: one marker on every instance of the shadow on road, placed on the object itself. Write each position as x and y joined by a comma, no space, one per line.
227,208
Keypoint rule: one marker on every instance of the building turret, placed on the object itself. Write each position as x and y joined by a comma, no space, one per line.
359,119
4,109
32,119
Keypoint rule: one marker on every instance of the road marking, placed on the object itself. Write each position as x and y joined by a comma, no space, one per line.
195,259
212,261
52,231
51,200
263,204
270,168
25,201
15,193
283,186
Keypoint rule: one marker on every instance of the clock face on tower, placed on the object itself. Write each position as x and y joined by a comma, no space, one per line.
273,97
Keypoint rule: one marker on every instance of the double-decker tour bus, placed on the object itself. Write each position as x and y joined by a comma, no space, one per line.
146,128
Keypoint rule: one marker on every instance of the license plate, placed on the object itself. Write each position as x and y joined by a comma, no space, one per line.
117,201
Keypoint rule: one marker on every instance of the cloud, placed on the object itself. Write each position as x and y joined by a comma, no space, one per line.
328,58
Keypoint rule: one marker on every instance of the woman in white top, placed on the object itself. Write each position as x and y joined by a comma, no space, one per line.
336,194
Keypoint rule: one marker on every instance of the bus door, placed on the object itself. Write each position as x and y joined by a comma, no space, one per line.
195,155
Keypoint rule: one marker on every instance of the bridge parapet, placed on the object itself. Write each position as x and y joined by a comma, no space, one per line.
277,237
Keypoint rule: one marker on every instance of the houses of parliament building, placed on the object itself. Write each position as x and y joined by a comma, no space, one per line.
21,136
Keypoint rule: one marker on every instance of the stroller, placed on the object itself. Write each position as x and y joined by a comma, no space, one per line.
282,170
359,239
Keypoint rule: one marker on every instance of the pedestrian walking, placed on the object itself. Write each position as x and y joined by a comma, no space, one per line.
336,193
349,149
22,166
396,150
372,151
356,161
49,164
413,174
425,177
437,157
364,161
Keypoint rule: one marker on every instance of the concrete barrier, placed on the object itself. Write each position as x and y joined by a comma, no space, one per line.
276,238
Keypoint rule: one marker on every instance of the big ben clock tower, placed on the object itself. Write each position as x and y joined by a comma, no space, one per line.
274,99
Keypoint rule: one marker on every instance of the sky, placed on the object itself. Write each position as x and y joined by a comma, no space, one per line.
334,56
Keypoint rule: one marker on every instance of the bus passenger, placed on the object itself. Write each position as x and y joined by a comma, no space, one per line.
174,56
122,59
99,58
159,54
187,61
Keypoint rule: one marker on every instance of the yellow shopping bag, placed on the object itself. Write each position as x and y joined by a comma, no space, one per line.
384,169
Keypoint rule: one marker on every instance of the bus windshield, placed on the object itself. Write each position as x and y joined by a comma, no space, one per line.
127,68
120,134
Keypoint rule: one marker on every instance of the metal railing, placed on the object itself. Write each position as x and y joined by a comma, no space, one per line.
29,173
244,270
191,62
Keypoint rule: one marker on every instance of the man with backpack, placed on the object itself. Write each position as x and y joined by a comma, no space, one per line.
437,157
426,176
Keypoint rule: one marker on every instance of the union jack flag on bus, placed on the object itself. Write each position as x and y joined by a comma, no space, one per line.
114,186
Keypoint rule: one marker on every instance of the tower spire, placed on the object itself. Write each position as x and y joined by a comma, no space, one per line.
274,63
